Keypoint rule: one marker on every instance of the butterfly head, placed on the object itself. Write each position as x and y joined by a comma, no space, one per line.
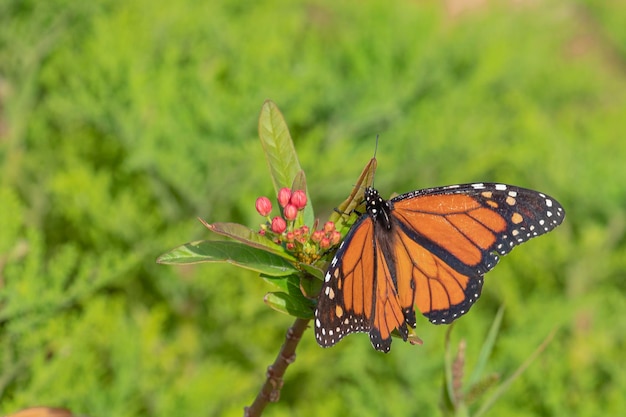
378,208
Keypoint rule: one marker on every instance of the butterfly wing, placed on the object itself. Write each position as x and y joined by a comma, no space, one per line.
428,248
449,237
359,294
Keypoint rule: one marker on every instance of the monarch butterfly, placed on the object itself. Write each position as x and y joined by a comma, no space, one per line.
427,248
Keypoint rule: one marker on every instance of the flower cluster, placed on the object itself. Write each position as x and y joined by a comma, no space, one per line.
305,244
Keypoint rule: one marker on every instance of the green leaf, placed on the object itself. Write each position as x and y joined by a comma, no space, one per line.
487,348
312,270
248,236
231,252
278,146
281,156
282,283
502,388
304,283
310,286
448,379
290,299
288,283
286,303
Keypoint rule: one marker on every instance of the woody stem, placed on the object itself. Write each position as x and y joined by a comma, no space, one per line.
270,391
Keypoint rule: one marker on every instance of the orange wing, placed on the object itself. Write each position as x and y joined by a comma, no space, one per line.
359,294
451,236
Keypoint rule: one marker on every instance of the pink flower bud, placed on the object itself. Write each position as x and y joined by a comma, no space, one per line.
290,246
325,243
290,236
290,211
263,206
335,237
279,225
284,195
317,235
304,229
329,227
298,199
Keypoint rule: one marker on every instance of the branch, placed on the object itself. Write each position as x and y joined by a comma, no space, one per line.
270,392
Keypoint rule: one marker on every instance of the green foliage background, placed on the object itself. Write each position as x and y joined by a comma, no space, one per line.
121,121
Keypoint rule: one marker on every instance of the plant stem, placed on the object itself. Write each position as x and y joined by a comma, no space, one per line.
270,391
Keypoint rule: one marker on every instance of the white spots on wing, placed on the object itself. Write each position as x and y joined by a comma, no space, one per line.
478,186
500,187
327,334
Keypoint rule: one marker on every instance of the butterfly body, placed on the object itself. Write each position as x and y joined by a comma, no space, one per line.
427,249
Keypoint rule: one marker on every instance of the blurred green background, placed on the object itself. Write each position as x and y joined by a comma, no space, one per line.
122,121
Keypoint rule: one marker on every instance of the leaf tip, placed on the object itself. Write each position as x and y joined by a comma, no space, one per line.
206,224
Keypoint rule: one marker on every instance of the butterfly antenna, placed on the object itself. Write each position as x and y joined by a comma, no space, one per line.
374,157
376,146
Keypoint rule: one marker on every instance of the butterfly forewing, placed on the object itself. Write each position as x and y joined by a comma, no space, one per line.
482,217
346,300
428,248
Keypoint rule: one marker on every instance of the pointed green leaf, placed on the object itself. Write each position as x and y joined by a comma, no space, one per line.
486,349
278,146
448,359
248,236
231,252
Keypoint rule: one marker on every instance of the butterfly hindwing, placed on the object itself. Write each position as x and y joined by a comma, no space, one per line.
440,292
